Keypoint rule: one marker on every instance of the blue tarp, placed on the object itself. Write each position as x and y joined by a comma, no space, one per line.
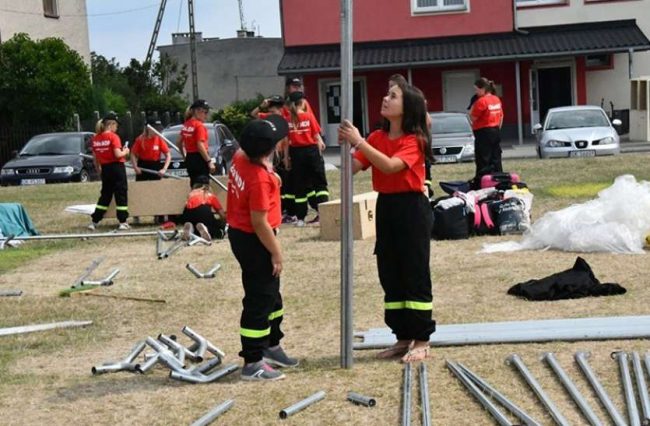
14,220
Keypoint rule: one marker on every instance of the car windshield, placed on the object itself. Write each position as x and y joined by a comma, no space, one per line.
52,145
571,119
449,124
172,135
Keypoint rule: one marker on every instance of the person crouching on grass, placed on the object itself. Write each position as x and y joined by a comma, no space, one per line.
199,212
403,218
254,217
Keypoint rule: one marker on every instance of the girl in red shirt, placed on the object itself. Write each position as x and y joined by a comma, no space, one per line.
146,153
254,217
193,141
109,158
487,117
403,218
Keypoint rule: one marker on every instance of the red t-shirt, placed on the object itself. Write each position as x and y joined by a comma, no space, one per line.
104,145
192,132
407,149
199,197
149,148
486,112
305,133
252,187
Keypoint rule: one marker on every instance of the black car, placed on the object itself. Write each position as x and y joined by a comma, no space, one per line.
51,158
221,146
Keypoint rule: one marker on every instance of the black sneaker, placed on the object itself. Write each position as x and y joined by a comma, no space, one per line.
278,358
260,371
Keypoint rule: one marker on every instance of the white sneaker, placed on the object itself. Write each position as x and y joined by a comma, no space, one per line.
203,232
188,230
300,223
92,226
123,226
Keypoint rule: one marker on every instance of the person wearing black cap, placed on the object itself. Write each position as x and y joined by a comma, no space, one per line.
146,152
193,141
109,158
199,212
254,217
305,160
294,84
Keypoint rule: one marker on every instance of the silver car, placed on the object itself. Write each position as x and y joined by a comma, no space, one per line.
452,139
577,131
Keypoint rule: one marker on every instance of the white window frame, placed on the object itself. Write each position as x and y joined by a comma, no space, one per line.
441,8
527,3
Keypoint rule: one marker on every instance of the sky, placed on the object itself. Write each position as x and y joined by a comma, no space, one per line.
122,29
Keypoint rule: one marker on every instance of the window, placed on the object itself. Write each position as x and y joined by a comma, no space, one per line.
524,3
599,62
51,8
427,6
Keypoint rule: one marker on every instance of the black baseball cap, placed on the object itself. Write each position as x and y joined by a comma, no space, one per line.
200,103
276,100
154,122
110,116
260,136
296,96
293,81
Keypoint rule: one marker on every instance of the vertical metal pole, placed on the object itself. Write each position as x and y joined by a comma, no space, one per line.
195,84
406,395
347,244
630,62
641,387
424,396
77,122
520,124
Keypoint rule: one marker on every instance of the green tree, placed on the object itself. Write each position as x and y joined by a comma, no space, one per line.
237,114
41,81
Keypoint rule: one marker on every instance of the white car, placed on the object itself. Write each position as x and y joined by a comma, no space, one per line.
452,139
577,131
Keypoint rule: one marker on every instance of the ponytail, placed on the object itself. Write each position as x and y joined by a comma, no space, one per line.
188,113
293,109
100,127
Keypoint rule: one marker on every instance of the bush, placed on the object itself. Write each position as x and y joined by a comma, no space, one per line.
237,114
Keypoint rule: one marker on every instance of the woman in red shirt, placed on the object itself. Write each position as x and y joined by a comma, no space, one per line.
193,141
109,158
146,152
403,217
199,212
487,117
254,217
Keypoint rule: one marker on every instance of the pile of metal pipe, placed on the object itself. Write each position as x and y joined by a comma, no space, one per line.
577,329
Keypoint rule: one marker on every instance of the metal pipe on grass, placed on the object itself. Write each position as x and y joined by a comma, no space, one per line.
406,395
85,235
359,399
628,389
642,387
487,389
10,293
166,356
424,396
177,348
208,274
581,360
205,367
518,363
196,377
301,405
571,388
212,415
201,342
126,364
106,281
476,392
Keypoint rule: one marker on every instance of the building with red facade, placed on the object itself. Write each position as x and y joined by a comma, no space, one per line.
443,46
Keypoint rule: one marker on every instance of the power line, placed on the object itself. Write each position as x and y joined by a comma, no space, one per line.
119,12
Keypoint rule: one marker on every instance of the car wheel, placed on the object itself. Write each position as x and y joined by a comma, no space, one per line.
84,176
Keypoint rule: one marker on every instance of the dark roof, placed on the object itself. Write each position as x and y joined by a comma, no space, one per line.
528,43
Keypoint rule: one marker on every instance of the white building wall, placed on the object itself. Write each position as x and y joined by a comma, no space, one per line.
26,16
613,85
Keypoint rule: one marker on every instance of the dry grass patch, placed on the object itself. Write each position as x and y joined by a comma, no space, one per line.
45,377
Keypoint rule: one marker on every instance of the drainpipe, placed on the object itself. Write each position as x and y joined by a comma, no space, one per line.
630,62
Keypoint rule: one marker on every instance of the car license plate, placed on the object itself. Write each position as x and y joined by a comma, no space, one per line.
586,153
180,173
32,181
446,158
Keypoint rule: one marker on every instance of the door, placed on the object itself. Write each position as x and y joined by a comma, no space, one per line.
550,87
331,111
458,89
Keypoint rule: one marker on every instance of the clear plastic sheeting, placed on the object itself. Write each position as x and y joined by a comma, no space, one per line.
617,222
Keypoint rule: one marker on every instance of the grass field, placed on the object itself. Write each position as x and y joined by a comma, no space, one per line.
45,377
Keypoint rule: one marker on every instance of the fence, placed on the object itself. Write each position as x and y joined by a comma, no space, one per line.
12,139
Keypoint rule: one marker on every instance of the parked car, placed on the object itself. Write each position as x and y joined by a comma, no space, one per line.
452,139
577,131
221,146
51,158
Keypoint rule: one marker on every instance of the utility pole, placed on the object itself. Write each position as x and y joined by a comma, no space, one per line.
195,84
242,23
156,30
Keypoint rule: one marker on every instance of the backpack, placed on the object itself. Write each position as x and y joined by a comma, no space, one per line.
510,216
450,221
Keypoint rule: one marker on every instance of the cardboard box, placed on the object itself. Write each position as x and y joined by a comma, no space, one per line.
161,197
363,217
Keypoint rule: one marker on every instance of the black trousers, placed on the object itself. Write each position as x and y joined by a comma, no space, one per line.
151,165
203,214
404,224
263,312
113,183
308,180
487,151
196,166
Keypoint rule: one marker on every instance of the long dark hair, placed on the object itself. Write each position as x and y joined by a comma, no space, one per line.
414,118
